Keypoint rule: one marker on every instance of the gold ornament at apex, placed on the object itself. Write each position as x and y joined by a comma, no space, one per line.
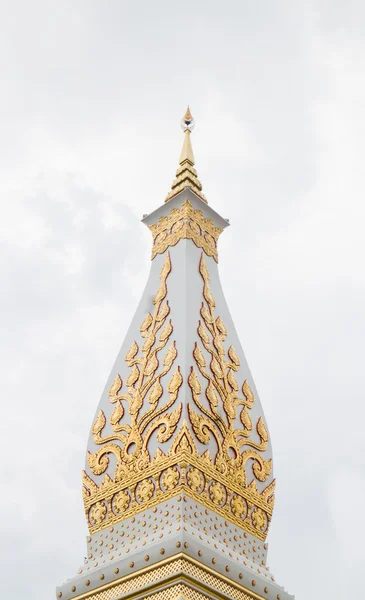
186,175
224,481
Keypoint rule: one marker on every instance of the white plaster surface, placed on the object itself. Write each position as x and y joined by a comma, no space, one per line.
177,521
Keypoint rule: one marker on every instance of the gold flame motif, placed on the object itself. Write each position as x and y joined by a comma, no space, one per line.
146,407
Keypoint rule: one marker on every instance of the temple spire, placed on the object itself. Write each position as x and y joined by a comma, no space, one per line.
186,175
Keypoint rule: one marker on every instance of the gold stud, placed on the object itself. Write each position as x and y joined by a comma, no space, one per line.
116,571
102,576
73,589
227,568
131,564
200,553
59,595
240,575
178,544
253,583
162,551
87,582
214,560
186,545
278,596
266,590
147,558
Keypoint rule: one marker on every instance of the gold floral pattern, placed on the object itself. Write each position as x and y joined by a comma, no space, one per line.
170,478
121,502
195,479
145,490
238,506
258,518
217,493
97,513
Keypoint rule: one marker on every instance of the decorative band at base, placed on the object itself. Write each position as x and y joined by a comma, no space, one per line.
170,579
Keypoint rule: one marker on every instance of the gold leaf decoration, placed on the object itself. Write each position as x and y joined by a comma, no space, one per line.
146,323
132,377
195,227
165,309
117,414
198,355
212,396
209,296
219,346
246,419
233,356
232,381
247,392
175,382
133,350
115,388
160,294
194,382
170,355
206,315
166,332
165,271
200,426
204,336
150,340
216,368
261,430
221,328
99,423
155,393
151,365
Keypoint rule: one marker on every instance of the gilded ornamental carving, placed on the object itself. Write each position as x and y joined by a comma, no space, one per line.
185,223
148,403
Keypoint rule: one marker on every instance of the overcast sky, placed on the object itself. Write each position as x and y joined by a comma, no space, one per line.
91,96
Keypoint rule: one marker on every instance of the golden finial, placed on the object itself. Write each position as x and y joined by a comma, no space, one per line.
186,175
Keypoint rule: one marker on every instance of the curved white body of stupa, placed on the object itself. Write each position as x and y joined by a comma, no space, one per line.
179,455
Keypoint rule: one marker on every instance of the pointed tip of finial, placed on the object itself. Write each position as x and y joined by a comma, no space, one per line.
188,116
187,122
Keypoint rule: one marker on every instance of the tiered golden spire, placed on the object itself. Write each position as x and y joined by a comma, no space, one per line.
186,175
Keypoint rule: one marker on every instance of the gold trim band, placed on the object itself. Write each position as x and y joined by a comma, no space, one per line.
178,568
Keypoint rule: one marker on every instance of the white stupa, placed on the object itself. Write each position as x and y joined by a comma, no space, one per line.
178,484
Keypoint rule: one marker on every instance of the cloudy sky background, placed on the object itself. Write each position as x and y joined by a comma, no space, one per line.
91,94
